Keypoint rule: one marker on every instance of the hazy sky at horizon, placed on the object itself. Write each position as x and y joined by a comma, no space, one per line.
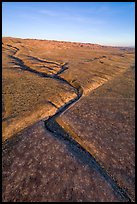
107,23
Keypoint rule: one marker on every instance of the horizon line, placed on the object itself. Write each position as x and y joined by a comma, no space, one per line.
33,38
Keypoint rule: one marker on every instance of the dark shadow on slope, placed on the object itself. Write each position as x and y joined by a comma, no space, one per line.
83,156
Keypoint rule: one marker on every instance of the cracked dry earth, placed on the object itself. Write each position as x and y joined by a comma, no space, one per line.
68,122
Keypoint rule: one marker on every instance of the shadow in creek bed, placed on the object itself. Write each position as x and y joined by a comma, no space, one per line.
56,131
82,155
17,61
73,147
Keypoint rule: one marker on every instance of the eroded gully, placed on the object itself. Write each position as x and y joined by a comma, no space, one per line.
52,126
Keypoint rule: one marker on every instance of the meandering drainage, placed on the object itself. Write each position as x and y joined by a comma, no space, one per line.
52,126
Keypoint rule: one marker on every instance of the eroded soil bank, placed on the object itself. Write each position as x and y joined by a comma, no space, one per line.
60,106
103,123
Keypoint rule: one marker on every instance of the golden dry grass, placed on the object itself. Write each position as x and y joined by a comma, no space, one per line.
25,91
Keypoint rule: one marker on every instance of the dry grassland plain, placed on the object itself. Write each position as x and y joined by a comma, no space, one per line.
85,91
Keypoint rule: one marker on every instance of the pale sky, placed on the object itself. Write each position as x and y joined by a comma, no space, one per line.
106,23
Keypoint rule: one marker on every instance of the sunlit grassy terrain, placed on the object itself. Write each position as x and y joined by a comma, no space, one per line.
92,88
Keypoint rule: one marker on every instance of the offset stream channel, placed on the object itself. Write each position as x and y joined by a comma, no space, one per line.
52,125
